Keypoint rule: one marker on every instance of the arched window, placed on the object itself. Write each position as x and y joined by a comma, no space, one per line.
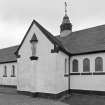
65,66
98,64
75,65
86,65
5,71
33,48
33,44
13,71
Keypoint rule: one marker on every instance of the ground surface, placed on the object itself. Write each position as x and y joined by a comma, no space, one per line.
77,99
25,100
9,96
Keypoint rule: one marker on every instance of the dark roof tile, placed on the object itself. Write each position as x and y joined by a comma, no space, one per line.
88,40
7,54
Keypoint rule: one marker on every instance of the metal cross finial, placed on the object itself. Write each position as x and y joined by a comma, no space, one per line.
65,8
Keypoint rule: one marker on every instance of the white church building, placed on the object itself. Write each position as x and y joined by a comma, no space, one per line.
44,64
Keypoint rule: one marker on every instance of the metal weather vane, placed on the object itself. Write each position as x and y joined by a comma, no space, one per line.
65,8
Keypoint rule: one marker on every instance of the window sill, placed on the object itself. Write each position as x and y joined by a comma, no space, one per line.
13,76
90,73
33,58
75,73
66,75
98,73
87,73
4,75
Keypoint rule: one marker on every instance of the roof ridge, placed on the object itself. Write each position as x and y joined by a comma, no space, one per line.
51,37
42,28
9,47
57,36
89,28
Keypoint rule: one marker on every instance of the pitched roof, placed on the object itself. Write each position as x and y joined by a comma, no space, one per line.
7,54
84,41
79,42
53,39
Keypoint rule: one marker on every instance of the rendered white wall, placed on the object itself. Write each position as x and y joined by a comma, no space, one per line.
25,65
8,80
51,76
65,33
88,82
39,75
61,80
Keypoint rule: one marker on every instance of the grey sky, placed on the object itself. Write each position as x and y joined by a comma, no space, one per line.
16,16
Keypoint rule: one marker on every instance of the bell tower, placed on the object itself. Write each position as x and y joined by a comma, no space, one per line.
66,26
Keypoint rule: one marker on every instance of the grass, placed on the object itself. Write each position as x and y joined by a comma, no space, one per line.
79,99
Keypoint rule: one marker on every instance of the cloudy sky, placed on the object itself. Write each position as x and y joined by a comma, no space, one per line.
17,15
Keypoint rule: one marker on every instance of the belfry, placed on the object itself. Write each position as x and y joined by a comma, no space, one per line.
66,26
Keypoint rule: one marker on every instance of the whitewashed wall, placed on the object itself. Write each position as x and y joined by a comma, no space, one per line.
88,82
44,75
8,80
46,65
61,80
26,71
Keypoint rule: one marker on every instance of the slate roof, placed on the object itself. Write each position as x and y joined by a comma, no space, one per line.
53,39
85,41
7,54
79,42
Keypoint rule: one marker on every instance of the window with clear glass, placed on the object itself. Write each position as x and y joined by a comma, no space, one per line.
65,66
33,48
98,64
5,71
86,65
13,71
75,65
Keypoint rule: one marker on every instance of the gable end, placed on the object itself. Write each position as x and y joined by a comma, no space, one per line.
51,38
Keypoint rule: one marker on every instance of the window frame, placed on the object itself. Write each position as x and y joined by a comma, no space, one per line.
33,48
98,64
5,71
86,65
75,62
65,65
13,71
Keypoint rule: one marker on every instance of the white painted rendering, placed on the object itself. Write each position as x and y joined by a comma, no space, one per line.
8,80
88,82
47,73
61,80
65,33
42,75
